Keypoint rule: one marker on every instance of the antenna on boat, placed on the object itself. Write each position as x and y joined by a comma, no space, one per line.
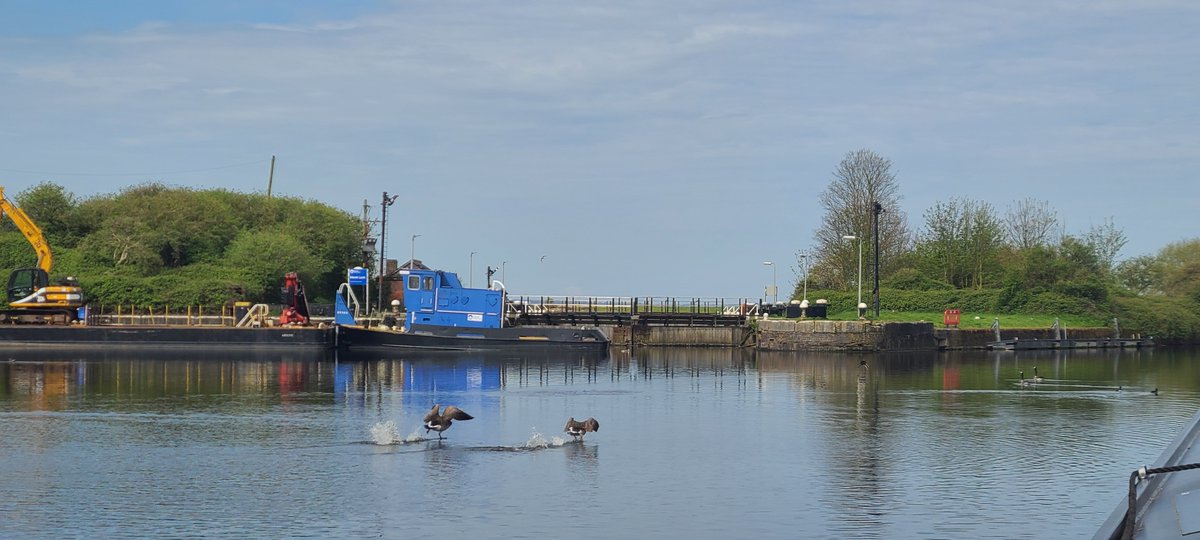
387,201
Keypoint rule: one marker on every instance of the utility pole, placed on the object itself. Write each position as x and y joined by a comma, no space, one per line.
878,209
271,178
387,201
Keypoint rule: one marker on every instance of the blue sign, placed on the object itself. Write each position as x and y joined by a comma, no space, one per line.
357,276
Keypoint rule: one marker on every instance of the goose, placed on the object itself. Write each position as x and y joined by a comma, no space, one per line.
1036,377
1155,391
441,422
579,429
1024,381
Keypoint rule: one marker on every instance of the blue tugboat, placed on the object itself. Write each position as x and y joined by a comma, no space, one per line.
442,314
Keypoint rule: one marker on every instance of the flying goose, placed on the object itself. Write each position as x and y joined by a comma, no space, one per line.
441,422
579,429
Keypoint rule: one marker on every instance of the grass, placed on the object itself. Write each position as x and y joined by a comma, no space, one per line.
980,320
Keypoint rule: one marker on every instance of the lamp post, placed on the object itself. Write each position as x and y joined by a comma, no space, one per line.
471,279
503,265
774,281
804,261
412,252
859,238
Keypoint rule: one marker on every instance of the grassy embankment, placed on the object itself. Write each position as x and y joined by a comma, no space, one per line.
980,320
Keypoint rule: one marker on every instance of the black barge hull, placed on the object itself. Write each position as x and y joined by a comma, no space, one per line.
472,339
273,338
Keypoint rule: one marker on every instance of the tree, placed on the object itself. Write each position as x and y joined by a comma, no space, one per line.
862,179
263,257
1029,223
1106,241
960,242
985,237
1141,275
1179,264
941,244
55,211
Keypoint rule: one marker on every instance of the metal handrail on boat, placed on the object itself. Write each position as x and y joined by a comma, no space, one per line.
256,316
350,297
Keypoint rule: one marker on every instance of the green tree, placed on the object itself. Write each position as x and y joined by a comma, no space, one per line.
55,211
1180,263
264,257
961,242
1105,241
1141,275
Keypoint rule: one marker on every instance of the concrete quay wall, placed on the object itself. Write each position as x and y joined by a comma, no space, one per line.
680,336
817,335
822,335
953,338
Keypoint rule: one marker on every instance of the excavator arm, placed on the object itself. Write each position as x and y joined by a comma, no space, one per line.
45,259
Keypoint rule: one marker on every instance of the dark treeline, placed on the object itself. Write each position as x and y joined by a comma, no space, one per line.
158,245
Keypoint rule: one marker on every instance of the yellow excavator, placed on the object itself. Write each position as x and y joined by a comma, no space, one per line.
31,297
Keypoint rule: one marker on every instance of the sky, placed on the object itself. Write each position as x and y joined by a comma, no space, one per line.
620,148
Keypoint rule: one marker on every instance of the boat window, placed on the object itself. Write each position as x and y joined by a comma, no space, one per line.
450,280
427,283
414,282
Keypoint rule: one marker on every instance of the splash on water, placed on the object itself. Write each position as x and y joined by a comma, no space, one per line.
384,433
537,440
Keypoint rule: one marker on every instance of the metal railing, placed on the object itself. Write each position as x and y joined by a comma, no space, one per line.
540,304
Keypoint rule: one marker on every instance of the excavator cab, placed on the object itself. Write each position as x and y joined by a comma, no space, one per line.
26,281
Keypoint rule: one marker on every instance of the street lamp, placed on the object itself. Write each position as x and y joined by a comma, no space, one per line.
774,282
859,238
472,274
412,252
503,265
804,261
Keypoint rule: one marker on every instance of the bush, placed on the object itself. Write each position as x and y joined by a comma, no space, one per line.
1169,319
926,301
911,279
1053,303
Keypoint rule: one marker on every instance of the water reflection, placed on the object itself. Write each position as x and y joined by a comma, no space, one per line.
62,379
925,445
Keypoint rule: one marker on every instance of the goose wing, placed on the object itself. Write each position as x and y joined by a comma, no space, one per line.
591,425
572,425
432,414
454,413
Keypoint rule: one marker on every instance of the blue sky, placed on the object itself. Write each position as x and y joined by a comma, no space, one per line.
664,148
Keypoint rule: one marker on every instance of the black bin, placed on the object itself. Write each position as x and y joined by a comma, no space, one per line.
793,310
819,310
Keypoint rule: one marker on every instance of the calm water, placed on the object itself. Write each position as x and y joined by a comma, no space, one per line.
693,444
